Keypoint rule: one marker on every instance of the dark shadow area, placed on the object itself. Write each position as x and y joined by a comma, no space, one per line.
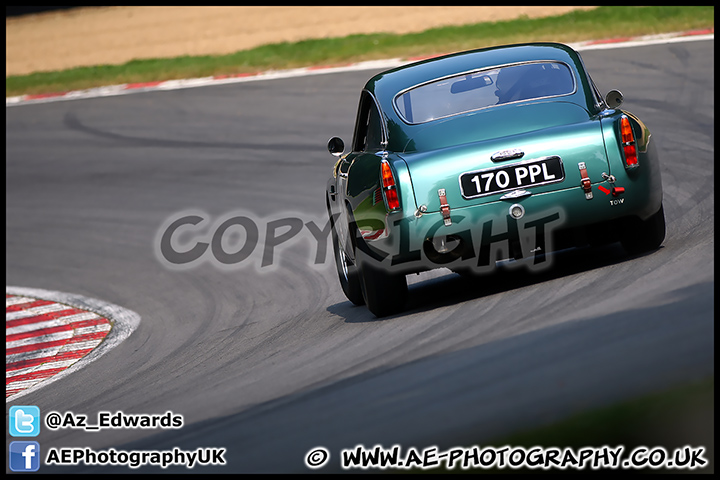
18,11
506,277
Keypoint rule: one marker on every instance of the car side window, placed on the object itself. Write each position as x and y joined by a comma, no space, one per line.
597,96
368,128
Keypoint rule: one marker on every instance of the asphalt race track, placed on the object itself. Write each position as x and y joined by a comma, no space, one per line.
270,363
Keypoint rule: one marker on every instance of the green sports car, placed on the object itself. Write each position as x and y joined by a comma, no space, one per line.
507,152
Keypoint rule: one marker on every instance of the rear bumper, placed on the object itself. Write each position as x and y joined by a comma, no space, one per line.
480,234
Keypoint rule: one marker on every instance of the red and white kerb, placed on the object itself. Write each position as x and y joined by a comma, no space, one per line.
43,338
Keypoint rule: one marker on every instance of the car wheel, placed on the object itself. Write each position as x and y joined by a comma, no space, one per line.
385,293
347,271
640,236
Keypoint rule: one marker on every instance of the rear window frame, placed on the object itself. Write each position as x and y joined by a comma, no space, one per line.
397,96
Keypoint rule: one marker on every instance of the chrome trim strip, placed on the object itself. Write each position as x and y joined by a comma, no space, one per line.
508,154
384,134
515,194
383,127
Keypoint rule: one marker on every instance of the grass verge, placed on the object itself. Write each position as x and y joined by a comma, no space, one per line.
676,418
600,23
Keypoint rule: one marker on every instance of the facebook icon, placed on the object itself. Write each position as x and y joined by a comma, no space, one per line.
24,456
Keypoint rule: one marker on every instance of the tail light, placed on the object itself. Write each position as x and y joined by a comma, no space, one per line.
628,143
388,186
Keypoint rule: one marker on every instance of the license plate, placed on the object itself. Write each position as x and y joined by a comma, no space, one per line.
526,174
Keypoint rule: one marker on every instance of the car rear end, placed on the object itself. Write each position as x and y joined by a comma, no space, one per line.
527,177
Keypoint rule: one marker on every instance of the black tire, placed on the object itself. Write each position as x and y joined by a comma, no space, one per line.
385,293
347,271
640,236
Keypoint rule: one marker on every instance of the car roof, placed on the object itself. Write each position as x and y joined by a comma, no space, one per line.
386,85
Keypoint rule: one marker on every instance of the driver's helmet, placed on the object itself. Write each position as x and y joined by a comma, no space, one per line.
511,81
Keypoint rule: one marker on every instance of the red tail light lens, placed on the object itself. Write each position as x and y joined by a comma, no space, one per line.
389,187
628,143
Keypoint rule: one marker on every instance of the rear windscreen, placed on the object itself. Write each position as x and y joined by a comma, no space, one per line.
473,91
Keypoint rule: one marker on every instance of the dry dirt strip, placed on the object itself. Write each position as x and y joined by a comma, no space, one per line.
50,334
87,36
122,89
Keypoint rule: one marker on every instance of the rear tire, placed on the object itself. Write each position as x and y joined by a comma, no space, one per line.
640,236
347,271
385,293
